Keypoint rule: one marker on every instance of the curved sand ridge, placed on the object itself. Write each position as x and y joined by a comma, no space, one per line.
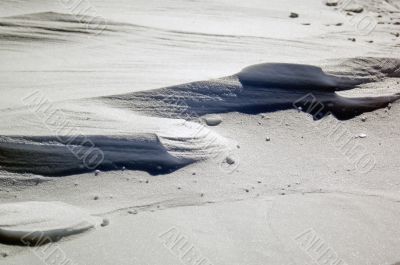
272,87
155,130
107,140
36,223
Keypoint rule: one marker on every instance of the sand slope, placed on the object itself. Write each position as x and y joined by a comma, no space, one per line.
296,179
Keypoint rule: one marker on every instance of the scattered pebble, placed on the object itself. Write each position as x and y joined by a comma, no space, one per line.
4,254
396,23
95,198
133,212
338,24
97,172
352,39
389,106
362,135
294,15
395,34
267,139
282,193
213,120
230,160
363,119
123,168
147,181
105,222
332,2
370,41
202,195
194,174
354,8
246,190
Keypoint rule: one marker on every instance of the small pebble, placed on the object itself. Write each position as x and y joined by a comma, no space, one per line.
4,254
354,9
332,3
95,198
362,135
132,211
363,119
97,172
389,106
213,120
105,222
267,139
352,39
294,15
230,160
123,168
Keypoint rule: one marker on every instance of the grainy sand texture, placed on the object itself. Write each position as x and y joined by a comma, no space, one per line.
199,132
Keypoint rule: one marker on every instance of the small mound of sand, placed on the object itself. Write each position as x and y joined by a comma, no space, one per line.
37,223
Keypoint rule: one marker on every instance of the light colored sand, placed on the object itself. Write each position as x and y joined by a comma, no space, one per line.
300,183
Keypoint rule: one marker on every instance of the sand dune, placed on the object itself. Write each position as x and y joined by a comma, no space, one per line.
256,89
103,122
38,223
